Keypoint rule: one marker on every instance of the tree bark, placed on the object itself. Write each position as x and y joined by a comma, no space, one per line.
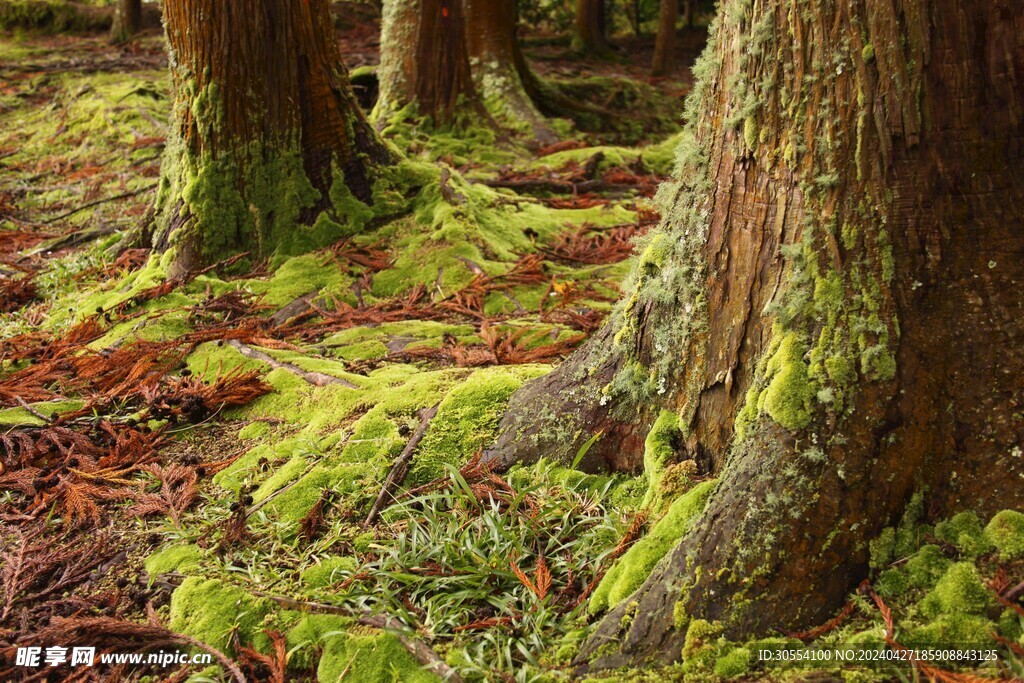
590,27
269,152
832,306
425,61
127,20
665,42
509,87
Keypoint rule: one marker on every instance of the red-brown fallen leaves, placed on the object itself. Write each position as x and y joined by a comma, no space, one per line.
597,245
371,257
34,568
541,582
499,347
179,487
16,292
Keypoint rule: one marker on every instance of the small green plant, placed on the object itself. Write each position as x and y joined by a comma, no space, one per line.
495,573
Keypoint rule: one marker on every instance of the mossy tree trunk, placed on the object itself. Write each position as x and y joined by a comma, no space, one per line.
510,89
458,62
268,151
127,20
424,60
832,307
590,26
665,41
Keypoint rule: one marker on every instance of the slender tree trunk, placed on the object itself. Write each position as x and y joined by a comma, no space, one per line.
590,27
689,9
832,307
665,42
269,152
127,20
425,61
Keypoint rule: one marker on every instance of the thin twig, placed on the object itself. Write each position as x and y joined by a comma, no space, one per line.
401,466
89,205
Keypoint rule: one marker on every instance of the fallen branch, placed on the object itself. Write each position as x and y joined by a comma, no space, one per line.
400,468
317,379
89,205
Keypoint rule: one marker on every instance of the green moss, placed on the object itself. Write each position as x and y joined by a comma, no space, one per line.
1006,532
927,566
467,419
296,277
700,647
734,663
882,549
1011,625
345,479
210,610
22,417
750,132
633,568
962,631
659,449
965,532
959,591
787,398
176,558
680,615
366,656
868,53
892,583
254,430
328,571
281,476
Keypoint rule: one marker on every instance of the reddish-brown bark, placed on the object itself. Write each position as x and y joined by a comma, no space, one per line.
590,26
873,152
252,84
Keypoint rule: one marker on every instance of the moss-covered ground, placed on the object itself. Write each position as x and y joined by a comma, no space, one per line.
233,430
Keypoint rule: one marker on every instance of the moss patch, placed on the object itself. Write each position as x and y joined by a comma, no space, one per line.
175,558
633,568
210,610
1006,533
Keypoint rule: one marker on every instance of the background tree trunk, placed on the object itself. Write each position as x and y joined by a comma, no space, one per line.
500,71
127,20
266,138
424,59
832,306
665,42
590,27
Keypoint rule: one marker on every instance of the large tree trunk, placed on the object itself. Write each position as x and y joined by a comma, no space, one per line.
269,152
665,42
832,306
424,60
590,27
127,20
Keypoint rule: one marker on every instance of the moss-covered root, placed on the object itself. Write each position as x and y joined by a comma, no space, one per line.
633,568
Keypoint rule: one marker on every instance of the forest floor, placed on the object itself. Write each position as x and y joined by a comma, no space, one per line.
195,463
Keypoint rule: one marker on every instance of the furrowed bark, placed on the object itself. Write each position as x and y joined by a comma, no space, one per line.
424,60
831,307
267,137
